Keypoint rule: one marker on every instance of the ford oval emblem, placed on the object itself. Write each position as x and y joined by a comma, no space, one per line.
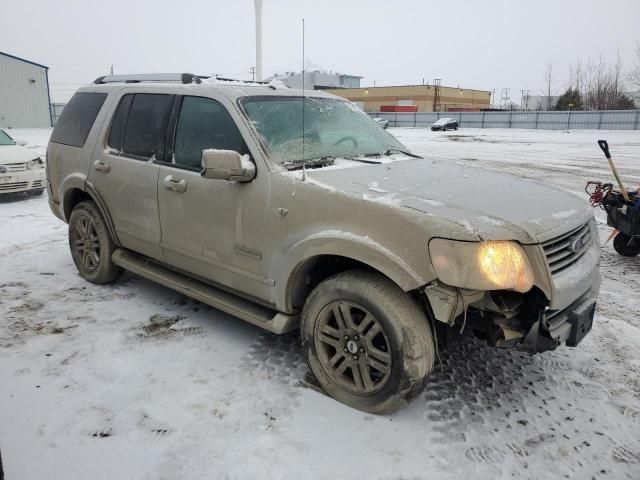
3,169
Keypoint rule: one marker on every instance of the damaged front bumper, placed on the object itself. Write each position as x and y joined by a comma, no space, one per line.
512,320
555,328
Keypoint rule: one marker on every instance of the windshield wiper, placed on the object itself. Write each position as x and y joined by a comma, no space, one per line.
398,150
309,163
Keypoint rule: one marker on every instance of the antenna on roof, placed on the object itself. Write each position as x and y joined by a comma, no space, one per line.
258,70
304,171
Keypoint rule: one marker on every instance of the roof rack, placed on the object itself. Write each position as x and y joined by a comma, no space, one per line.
224,79
185,78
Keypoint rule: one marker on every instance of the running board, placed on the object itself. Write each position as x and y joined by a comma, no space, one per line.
263,317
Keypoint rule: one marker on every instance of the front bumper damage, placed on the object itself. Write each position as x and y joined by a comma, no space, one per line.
513,320
558,310
518,321
555,328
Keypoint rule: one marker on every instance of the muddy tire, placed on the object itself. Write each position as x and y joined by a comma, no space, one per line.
367,342
91,244
626,246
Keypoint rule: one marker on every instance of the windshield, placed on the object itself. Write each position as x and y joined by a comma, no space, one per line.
443,121
332,128
5,139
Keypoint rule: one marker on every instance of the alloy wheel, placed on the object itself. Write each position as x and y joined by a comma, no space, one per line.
352,347
87,243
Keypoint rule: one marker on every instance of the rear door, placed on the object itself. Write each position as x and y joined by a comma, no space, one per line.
124,172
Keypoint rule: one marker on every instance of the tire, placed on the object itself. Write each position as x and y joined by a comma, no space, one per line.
626,246
92,257
36,193
367,342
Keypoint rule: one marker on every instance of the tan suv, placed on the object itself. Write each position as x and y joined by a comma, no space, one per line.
340,232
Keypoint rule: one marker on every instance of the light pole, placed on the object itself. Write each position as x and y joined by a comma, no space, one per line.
258,5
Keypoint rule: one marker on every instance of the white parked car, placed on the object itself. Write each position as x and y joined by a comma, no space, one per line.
21,170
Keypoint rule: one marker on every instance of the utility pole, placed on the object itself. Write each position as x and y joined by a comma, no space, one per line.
504,98
524,99
253,73
111,70
258,68
436,94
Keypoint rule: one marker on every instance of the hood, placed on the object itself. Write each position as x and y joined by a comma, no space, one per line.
474,203
16,154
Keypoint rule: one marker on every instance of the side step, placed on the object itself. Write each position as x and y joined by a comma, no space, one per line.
263,317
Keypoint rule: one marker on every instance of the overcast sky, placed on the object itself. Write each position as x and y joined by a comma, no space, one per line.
475,44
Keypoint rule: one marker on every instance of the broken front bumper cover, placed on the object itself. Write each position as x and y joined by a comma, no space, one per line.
555,328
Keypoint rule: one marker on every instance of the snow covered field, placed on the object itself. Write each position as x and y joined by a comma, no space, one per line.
134,381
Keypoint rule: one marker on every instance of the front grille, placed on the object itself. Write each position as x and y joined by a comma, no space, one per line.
565,250
12,186
16,167
37,183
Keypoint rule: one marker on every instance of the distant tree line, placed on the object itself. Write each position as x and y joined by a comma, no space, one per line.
597,85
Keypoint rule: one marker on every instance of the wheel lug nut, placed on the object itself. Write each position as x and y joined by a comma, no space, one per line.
345,349
361,350
355,357
346,337
356,337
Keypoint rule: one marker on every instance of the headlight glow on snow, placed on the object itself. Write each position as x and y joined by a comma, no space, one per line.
491,265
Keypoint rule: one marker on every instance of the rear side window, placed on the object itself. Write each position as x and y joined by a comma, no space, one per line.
204,123
146,126
119,121
77,118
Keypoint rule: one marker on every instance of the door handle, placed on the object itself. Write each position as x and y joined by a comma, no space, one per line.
174,185
101,166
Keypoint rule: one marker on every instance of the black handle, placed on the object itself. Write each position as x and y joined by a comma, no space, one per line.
605,148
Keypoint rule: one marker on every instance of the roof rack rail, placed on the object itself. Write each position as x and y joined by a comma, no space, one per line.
150,77
224,79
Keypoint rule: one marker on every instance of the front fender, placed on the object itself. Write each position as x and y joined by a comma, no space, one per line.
343,244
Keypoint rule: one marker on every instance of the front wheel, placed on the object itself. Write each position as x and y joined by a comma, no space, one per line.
91,244
626,246
367,342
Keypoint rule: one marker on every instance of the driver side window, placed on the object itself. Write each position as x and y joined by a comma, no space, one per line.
204,123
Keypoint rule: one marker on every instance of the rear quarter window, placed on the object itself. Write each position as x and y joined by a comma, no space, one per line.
77,118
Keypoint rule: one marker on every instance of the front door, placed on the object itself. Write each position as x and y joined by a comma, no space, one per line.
124,174
213,228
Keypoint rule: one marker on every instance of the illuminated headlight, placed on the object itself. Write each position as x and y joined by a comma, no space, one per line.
492,265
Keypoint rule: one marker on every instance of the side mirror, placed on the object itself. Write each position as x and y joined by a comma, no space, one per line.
22,143
227,165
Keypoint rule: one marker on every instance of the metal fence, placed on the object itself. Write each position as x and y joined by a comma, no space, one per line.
56,110
604,119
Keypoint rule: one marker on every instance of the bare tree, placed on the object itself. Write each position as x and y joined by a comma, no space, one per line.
634,73
600,84
548,81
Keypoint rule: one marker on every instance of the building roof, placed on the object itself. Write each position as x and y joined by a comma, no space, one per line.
24,60
430,85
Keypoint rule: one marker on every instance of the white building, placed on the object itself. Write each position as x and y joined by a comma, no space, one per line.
24,93
317,80
540,102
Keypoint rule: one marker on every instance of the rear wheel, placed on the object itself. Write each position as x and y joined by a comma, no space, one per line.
367,342
626,246
91,244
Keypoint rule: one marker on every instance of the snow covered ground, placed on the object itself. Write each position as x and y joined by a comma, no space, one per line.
135,381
